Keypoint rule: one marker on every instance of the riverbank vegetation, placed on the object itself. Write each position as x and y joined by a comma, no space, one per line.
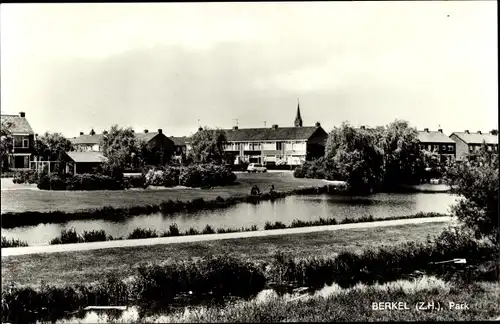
69,236
222,276
7,243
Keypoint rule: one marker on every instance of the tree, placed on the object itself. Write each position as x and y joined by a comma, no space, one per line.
355,157
52,147
5,143
477,183
401,154
120,146
208,145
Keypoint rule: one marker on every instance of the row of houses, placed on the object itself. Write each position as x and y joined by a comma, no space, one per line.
274,145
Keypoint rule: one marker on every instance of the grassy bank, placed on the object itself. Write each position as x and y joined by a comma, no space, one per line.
70,236
160,283
356,306
88,266
14,201
10,220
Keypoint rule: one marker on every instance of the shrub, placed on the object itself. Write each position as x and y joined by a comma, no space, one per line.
206,175
173,230
140,233
135,182
208,230
220,276
85,181
163,176
29,176
67,237
95,236
6,243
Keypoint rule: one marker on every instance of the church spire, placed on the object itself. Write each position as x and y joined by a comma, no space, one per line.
298,119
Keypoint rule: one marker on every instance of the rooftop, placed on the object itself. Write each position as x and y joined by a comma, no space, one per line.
17,124
87,157
270,134
179,141
427,136
476,138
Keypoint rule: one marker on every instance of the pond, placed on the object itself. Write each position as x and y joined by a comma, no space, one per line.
306,208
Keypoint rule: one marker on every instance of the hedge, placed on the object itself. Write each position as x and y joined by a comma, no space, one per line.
195,175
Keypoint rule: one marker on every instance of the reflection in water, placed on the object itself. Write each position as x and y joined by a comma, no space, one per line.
305,208
135,313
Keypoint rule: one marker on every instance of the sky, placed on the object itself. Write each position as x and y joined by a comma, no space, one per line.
175,66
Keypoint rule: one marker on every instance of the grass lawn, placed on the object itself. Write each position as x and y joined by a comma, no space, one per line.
84,267
69,201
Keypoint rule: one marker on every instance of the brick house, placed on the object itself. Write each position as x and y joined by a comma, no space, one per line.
23,141
468,144
438,142
161,145
276,145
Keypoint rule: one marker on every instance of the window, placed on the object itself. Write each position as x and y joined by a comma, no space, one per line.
450,148
436,147
471,148
238,146
443,147
25,142
279,146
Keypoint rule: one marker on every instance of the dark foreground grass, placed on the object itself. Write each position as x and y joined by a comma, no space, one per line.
88,266
227,276
355,305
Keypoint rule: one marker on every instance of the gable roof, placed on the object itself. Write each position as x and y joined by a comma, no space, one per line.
476,138
270,134
146,136
87,157
17,124
179,141
87,139
433,137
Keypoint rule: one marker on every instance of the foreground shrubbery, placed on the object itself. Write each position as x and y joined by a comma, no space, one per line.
227,276
29,176
195,175
56,181
6,243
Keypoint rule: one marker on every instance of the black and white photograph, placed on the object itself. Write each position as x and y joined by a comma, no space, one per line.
209,162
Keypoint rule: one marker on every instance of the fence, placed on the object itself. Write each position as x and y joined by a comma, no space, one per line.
47,166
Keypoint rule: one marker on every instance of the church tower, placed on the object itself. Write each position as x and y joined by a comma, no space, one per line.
298,119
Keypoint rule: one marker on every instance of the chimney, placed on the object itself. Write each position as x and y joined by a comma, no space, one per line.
362,127
479,132
275,126
466,131
235,127
133,131
318,124
105,132
36,135
159,131
81,133
22,114
200,129
146,131
426,130
440,130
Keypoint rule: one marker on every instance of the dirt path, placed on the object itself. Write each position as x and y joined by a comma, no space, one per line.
208,237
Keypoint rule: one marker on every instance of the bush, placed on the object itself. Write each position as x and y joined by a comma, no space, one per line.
67,237
85,181
6,243
95,236
163,176
206,175
29,176
135,182
140,233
